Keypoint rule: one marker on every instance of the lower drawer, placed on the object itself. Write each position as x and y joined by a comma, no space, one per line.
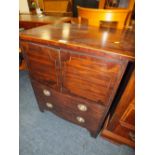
78,111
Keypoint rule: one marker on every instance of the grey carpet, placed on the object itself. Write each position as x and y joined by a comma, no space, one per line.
47,134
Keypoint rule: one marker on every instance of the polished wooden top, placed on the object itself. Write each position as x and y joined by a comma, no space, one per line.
119,43
43,19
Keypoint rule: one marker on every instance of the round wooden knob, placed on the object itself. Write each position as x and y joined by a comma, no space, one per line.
80,119
46,92
82,107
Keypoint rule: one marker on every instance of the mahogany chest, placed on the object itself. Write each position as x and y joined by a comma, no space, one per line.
76,70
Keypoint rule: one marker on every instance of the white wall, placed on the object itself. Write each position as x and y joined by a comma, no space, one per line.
23,6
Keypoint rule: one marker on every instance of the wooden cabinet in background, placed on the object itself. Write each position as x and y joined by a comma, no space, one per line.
32,21
57,7
120,127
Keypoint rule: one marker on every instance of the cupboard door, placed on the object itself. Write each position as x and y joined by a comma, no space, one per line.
43,63
92,78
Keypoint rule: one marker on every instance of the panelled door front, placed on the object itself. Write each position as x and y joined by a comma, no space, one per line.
92,78
43,63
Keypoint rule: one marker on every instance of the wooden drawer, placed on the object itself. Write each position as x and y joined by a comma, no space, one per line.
42,63
70,107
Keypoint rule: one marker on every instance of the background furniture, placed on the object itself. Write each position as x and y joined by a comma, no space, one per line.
120,125
56,7
31,21
75,71
96,16
130,6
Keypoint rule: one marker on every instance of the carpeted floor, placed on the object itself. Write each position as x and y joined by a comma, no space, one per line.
47,134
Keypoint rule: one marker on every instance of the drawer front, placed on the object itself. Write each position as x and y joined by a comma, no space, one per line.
92,78
43,63
81,112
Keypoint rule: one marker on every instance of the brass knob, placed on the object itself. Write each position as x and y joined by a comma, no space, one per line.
49,105
82,107
80,119
46,92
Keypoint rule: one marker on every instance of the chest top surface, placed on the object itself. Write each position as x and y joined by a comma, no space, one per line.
116,42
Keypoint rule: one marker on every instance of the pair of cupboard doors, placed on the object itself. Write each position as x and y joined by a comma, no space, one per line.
90,77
